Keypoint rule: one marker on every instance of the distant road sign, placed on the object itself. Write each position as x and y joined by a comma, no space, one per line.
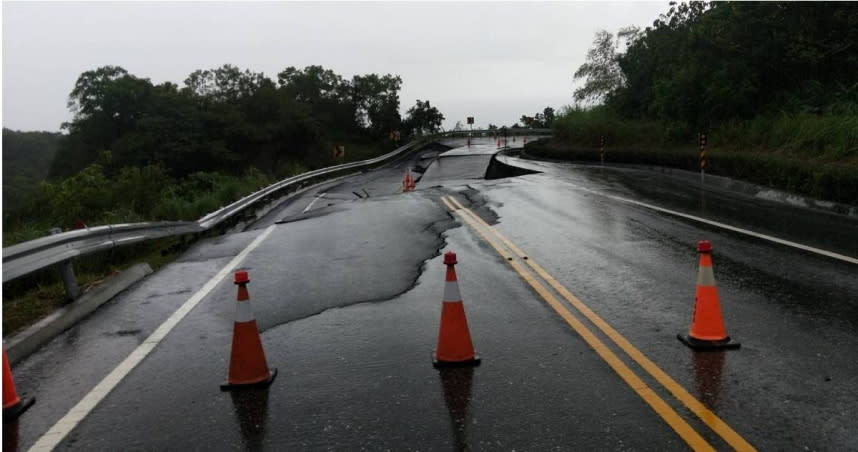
470,119
338,152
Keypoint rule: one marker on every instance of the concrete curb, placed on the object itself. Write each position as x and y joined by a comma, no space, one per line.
28,341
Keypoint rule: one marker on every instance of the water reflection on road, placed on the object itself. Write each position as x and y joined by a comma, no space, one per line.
251,408
708,372
456,383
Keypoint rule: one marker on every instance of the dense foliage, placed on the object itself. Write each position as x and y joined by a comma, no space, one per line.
773,84
224,119
135,150
702,64
542,120
27,157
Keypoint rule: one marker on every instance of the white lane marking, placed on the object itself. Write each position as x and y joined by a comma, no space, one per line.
830,254
309,206
64,426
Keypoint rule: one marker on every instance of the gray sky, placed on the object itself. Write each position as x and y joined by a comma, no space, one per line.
494,61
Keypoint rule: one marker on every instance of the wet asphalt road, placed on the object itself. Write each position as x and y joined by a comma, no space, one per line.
347,293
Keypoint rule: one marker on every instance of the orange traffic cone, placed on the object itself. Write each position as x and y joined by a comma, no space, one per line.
13,406
454,339
247,365
407,181
707,326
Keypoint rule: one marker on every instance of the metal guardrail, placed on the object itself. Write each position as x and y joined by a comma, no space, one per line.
25,258
509,131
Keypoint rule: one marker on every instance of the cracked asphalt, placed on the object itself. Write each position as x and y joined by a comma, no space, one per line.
347,293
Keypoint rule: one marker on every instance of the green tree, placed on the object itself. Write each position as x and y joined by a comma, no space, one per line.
541,120
702,64
106,103
27,158
423,118
601,72
325,95
548,114
377,101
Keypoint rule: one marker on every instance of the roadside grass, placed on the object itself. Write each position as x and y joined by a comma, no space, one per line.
827,138
813,155
150,194
818,179
30,298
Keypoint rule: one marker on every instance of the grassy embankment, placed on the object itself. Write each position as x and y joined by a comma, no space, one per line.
804,154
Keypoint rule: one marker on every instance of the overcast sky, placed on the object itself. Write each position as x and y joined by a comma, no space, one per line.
494,61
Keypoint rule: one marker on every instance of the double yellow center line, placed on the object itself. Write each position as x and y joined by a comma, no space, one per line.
670,416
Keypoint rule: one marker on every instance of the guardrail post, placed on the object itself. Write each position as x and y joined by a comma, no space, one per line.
67,273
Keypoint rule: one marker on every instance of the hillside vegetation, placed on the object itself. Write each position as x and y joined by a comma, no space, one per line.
774,86
137,151
27,158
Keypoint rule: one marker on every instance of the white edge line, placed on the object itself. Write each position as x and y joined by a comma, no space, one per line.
830,254
309,206
52,438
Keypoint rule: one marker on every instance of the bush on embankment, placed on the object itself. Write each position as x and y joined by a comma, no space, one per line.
806,154
135,194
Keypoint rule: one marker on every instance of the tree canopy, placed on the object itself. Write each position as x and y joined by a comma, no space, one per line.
703,63
423,118
26,159
225,119
540,120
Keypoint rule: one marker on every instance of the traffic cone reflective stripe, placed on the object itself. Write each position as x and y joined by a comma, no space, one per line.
244,313
247,364
707,325
454,338
13,405
451,288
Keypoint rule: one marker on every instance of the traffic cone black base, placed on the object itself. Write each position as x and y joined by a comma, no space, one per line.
698,344
475,361
12,413
260,384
